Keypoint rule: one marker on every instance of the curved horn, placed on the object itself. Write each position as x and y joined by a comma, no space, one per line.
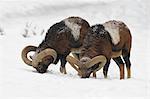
24,53
73,61
43,54
96,60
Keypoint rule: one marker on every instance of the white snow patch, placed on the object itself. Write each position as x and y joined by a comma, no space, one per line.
75,28
95,28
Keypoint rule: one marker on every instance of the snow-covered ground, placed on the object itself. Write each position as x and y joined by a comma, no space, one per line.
19,80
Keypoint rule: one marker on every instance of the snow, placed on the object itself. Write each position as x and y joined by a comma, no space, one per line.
19,80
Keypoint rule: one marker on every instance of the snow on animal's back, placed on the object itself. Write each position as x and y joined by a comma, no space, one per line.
113,28
74,23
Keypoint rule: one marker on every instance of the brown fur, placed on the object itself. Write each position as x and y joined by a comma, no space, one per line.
59,38
99,43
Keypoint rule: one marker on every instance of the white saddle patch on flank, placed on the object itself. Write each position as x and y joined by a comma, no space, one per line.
113,29
75,28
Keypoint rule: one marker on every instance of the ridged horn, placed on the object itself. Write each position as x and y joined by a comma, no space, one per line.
24,53
73,61
42,54
102,59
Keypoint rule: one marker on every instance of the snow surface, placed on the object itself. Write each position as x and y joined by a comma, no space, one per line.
19,80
